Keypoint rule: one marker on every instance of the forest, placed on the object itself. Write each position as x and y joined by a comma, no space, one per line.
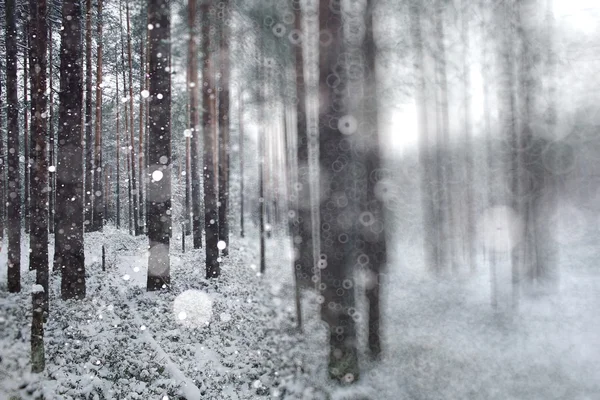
299,199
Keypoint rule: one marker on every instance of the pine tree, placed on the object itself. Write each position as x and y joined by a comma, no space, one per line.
211,214
69,248
158,199
38,240
13,175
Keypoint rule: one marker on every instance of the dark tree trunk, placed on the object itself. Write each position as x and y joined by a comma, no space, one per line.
51,141
224,130
158,199
336,210
209,122
89,149
38,240
300,195
195,126
14,182
26,133
373,231
141,162
69,250
3,159
38,359
98,192
134,188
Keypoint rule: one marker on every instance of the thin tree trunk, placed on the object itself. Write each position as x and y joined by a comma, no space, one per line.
134,189
129,197
118,150
3,160
98,192
491,196
224,105
51,156
89,150
373,234
158,199
141,180
128,153
241,139
69,250
468,150
26,133
14,181
107,171
195,123
38,240
445,157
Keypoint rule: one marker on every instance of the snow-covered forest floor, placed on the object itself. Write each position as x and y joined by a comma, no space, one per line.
235,337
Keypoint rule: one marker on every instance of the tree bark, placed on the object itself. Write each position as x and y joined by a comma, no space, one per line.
118,155
69,249
241,143
337,208
98,216
158,199
89,150
51,141
13,175
224,129
194,126
141,162
26,133
38,240
209,122
134,188
373,229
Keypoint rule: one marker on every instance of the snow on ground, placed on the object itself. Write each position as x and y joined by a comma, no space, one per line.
235,338
231,338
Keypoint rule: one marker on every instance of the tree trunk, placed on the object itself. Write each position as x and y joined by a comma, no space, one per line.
337,238
38,359
445,163
426,159
224,129
51,141
302,221
134,188
195,125
373,233
99,215
241,141
38,240
3,160
141,169
14,182
468,150
118,151
209,122
89,150
158,199
26,133
69,250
